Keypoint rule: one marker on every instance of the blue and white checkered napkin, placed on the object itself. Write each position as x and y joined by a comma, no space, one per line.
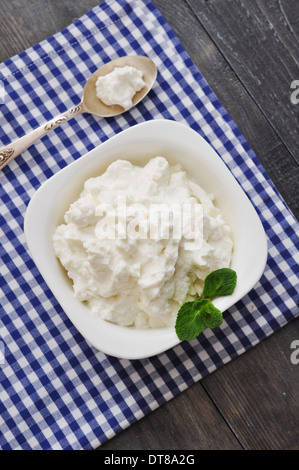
57,392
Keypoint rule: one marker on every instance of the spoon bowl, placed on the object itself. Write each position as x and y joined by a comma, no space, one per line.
95,106
90,104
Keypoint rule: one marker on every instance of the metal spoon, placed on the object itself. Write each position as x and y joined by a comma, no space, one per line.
89,104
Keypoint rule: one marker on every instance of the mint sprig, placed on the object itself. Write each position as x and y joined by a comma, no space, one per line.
193,317
220,282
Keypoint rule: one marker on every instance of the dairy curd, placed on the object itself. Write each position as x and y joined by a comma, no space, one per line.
128,267
120,86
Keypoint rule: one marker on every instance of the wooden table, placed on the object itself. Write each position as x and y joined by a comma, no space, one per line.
248,51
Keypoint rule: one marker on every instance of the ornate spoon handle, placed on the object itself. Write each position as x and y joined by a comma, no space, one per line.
12,150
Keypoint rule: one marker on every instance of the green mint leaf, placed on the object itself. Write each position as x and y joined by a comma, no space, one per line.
194,317
188,323
220,282
211,316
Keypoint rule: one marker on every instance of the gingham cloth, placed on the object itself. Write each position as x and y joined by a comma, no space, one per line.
58,392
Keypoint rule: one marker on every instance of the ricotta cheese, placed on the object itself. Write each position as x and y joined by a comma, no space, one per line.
120,86
132,264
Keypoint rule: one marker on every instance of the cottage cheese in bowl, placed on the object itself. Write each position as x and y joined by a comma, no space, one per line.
139,242
139,144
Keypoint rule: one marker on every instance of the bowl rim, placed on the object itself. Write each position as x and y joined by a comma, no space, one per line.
148,342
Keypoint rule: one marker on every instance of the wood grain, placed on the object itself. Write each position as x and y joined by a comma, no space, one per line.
189,421
260,41
25,23
267,144
248,53
270,148
258,394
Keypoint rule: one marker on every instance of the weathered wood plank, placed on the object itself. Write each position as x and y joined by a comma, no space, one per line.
189,421
258,393
260,41
25,23
268,145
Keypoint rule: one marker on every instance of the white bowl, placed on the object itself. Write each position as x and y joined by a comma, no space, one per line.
177,143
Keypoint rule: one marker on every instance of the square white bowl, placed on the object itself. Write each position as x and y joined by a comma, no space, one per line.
178,144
